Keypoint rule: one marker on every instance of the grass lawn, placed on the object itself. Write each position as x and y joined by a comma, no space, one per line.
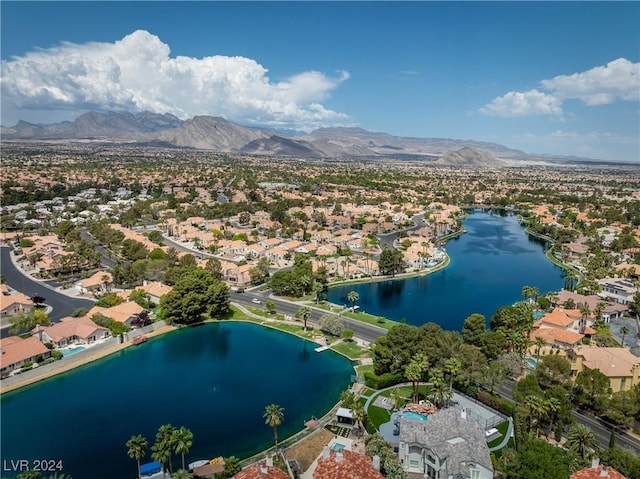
502,427
370,319
360,370
378,416
350,349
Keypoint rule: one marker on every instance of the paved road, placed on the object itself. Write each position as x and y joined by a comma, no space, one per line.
62,304
361,330
107,259
601,430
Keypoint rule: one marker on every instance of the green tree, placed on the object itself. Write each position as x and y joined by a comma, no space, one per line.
165,439
182,442
214,266
137,448
270,305
452,366
624,330
304,313
537,459
232,466
592,384
539,342
359,415
391,261
553,370
27,320
332,324
526,387
473,329
274,417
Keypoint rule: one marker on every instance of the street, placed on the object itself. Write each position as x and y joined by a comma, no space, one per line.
62,304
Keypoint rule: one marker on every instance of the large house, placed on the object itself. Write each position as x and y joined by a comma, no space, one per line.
16,352
597,471
346,464
618,364
449,445
262,470
71,331
125,313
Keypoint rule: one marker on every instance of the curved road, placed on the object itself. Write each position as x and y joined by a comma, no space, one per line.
62,304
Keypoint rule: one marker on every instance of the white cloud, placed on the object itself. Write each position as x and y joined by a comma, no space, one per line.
617,80
532,102
137,73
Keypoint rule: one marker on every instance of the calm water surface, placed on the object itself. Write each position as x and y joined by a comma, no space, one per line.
489,266
215,380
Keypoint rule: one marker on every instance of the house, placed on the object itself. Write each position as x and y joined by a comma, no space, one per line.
597,471
610,309
13,304
16,352
618,364
346,464
155,290
345,416
449,445
96,283
71,331
124,313
618,290
262,470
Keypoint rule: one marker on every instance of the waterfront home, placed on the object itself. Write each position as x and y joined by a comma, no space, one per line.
125,313
12,304
155,290
71,331
342,463
449,444
618,364
262,470
16,352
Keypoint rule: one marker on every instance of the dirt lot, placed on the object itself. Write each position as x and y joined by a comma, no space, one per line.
309,448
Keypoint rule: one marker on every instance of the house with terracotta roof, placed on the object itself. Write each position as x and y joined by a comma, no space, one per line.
124,313
611,309
13,304
71,331
618,364
16,352
155,290
346,464
97,283
597,471
448,445
262,470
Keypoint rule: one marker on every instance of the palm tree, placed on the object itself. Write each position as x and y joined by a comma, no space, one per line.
353,297
183,438
413,373
537,409
624,331
166,437
452,366
395,394
137,446
581,440
552,406
274,416
539,343
304,313
162,453
440,394
359,415
182,474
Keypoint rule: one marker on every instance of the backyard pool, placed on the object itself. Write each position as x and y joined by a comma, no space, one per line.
75,349
413,415
336,446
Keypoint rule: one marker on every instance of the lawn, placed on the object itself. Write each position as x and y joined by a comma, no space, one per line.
360,370
378,416
370,319
502,427
350,349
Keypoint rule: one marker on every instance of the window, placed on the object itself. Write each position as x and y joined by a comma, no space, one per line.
623,383
475,474
414,463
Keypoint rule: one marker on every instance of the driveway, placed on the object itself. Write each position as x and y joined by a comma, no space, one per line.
62,305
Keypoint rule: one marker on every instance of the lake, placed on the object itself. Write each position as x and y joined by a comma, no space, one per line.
490,264
214,379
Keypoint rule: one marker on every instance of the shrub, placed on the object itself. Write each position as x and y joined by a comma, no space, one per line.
374,381
56,354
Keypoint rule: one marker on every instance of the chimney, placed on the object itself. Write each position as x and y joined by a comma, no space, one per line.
463,413
604,472
339,456
325,452
376,462
269,460
595,462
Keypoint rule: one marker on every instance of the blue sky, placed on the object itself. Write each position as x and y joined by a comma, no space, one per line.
544,77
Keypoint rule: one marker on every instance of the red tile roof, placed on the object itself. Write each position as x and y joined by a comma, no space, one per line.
260,470
346,464
15,349
598,472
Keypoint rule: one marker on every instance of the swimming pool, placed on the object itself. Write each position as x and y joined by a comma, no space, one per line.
336,446
76,349
414,415
531,363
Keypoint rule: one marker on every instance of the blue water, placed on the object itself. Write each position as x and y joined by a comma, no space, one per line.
489,266
337,446
214,379
414,415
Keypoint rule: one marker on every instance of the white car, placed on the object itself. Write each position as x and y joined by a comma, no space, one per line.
256,301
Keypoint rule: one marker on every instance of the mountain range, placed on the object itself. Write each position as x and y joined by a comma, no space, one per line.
220,135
